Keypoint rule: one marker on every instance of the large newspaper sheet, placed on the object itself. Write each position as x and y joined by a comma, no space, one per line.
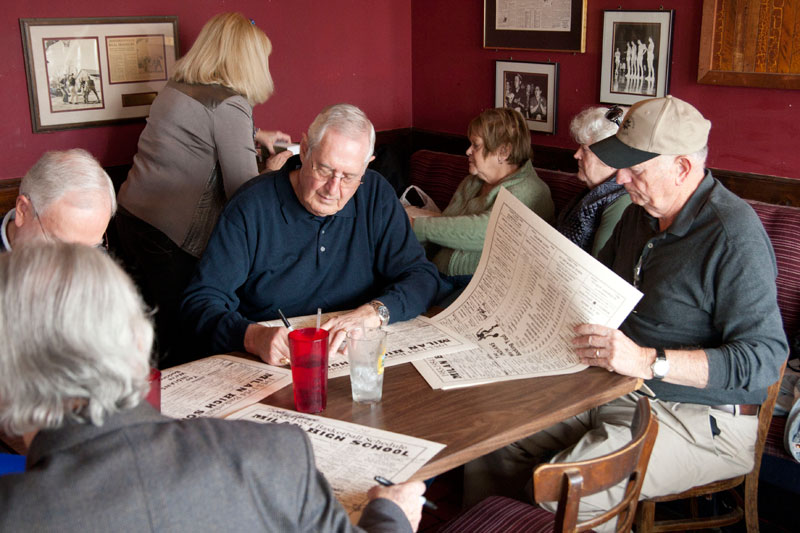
533,15
531,288
217,386
405,341
351,455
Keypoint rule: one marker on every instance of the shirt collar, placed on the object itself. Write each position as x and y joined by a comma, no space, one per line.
688,213
72,433
690,210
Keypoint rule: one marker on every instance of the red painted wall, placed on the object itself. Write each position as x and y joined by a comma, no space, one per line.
753,130
358,51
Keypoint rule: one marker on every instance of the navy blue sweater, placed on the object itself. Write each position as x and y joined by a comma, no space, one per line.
268,252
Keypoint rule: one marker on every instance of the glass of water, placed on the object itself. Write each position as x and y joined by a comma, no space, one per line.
366,348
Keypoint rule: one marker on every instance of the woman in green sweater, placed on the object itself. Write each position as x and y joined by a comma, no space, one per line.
499,156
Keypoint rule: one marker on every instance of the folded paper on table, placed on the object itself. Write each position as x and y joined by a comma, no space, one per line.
351,455
218,385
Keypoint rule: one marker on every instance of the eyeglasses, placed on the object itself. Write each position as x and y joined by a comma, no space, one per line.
102,245
614,114
326,173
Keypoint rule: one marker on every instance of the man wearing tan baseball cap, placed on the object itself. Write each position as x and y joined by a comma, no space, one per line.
707,335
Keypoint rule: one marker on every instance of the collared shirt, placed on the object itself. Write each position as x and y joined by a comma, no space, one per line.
268,252
708,283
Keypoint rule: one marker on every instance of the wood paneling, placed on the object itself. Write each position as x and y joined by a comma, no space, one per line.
752,43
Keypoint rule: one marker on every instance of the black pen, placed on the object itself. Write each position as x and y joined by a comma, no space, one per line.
285,321
425,501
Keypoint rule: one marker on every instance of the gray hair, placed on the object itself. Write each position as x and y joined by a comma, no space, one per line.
76,338
591,125
700,156
346,119
57,173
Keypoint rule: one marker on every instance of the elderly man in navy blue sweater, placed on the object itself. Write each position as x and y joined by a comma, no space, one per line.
325,233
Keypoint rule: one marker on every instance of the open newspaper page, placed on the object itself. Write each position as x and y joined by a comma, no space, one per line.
405,341
531,288
351,455
218,385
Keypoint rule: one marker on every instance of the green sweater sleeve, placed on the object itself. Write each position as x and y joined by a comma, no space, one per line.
608,222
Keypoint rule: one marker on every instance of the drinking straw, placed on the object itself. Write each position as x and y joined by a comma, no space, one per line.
319,316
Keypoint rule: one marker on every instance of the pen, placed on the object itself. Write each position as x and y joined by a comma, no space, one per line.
285,321
425,501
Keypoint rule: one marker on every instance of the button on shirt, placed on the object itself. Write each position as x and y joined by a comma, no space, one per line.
268,252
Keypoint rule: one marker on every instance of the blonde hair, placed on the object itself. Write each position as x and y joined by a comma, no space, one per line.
232,52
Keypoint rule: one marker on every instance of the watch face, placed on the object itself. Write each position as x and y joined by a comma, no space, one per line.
660,368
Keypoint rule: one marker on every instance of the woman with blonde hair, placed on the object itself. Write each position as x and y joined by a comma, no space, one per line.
197,149
499,157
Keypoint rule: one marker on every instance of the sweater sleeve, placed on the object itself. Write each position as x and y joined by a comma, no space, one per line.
410,283
608,222
210,303
233,137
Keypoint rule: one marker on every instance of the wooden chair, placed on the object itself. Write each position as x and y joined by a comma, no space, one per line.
567,483
746,507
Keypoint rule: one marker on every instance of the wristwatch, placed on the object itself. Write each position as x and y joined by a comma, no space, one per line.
660,366
382,310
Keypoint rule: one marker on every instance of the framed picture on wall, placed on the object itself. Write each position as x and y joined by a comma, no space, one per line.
95,71
558,25
530,88
635,55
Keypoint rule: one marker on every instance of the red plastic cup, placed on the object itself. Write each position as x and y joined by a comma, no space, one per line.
309,352
154,395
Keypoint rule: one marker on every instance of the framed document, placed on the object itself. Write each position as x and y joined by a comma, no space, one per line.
558,25
95,71
530,88
635,56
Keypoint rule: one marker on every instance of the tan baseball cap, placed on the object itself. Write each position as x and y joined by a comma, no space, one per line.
659,126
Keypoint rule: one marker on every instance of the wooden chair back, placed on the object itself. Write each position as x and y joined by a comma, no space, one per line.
567,483
746,506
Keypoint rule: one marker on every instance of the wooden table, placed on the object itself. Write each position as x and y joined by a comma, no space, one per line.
471,421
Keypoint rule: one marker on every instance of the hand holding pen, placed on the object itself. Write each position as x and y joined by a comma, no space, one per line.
425,501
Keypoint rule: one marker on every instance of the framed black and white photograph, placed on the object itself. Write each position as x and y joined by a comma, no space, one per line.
558,25
530,88
95,71
635,56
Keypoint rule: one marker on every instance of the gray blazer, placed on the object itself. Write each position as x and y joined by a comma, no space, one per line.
141,471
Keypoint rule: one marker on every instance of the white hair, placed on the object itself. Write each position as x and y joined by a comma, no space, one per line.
57,173
591,125
76,338
346,119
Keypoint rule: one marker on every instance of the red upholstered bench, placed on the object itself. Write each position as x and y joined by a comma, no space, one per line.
783,227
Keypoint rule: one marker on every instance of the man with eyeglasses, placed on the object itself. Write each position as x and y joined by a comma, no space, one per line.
706,337
65,196
322,232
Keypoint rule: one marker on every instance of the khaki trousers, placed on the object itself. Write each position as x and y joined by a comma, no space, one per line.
685,453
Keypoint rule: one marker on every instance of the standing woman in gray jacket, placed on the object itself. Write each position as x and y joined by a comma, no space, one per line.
197,149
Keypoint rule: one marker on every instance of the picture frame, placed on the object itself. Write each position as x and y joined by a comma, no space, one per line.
85,72
532,89
635,56
557,25
752,45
